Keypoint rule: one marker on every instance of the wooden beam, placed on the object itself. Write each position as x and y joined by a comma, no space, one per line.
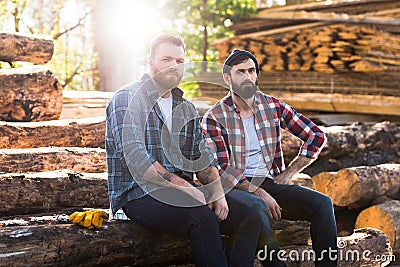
352,103
329,17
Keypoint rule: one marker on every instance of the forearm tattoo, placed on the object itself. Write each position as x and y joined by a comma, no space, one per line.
204,176
166,175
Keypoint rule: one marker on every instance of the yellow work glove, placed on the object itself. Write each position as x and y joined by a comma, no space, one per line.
89,219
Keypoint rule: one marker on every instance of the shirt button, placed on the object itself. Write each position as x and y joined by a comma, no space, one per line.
243,135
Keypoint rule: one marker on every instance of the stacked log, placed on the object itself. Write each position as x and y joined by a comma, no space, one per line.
28,93
50,240
88,132
29,48
357,187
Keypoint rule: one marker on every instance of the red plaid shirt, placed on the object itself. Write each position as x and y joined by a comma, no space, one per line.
225,134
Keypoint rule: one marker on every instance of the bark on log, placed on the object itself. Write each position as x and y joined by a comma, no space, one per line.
343,140
31,48
43,159
29,94
385,217
118,243
88,132
54,242
357,187
365,247
49,191
292,232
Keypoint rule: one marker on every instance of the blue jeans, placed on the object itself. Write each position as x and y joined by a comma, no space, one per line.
299,203
201,226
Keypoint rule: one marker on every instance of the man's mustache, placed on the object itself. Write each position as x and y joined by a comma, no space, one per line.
249,82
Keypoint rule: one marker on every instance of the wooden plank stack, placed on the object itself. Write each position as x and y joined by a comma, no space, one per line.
340,49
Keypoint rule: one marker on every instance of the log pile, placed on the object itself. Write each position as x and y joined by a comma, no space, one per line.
48,169
31,93
327,55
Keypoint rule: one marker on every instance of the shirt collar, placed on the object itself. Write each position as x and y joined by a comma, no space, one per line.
228,100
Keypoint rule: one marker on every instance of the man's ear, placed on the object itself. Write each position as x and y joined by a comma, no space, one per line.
227,78
151,63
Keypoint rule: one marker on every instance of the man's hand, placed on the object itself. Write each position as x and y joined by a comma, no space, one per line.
193,192
273,207
283,178
220,207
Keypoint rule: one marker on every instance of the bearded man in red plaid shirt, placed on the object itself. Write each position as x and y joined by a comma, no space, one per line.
244,131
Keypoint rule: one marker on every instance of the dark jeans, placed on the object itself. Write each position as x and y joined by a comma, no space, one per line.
300,203
202,227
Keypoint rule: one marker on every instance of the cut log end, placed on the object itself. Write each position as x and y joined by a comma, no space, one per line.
338,189
385,217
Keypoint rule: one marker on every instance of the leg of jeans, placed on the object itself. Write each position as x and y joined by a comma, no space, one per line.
199,224
242,226
300,203
267,241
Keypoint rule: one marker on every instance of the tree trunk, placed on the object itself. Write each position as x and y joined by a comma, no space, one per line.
29,94
118,243
52,241
52,158
29,48
385,217
357,187
88,132
50,191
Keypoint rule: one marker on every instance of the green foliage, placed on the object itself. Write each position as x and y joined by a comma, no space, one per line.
201,22
68,23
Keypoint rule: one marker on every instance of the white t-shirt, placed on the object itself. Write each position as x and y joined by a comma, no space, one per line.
165,105
255,163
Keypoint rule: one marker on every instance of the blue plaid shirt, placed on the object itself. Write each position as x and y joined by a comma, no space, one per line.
136,138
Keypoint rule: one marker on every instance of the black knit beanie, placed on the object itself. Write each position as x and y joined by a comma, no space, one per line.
236,53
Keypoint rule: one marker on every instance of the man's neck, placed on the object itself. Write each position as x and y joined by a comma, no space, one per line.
245,106
162,92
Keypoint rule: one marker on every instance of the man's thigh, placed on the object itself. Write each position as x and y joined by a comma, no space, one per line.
242,207
164,217
297,202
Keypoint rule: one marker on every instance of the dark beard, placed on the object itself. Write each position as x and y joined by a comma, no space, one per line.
166,81
245,90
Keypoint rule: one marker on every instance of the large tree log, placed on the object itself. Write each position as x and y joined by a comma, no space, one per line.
118,243
47,241
52,158
29,94
384,216
357,187
31,48
49,191
89,132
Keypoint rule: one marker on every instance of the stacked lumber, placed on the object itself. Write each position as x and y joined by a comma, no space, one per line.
30,93
336,56
334,48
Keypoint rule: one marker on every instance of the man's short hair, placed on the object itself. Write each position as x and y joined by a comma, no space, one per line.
171,38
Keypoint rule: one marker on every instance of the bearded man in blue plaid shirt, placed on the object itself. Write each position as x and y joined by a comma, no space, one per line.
243,129
155,145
